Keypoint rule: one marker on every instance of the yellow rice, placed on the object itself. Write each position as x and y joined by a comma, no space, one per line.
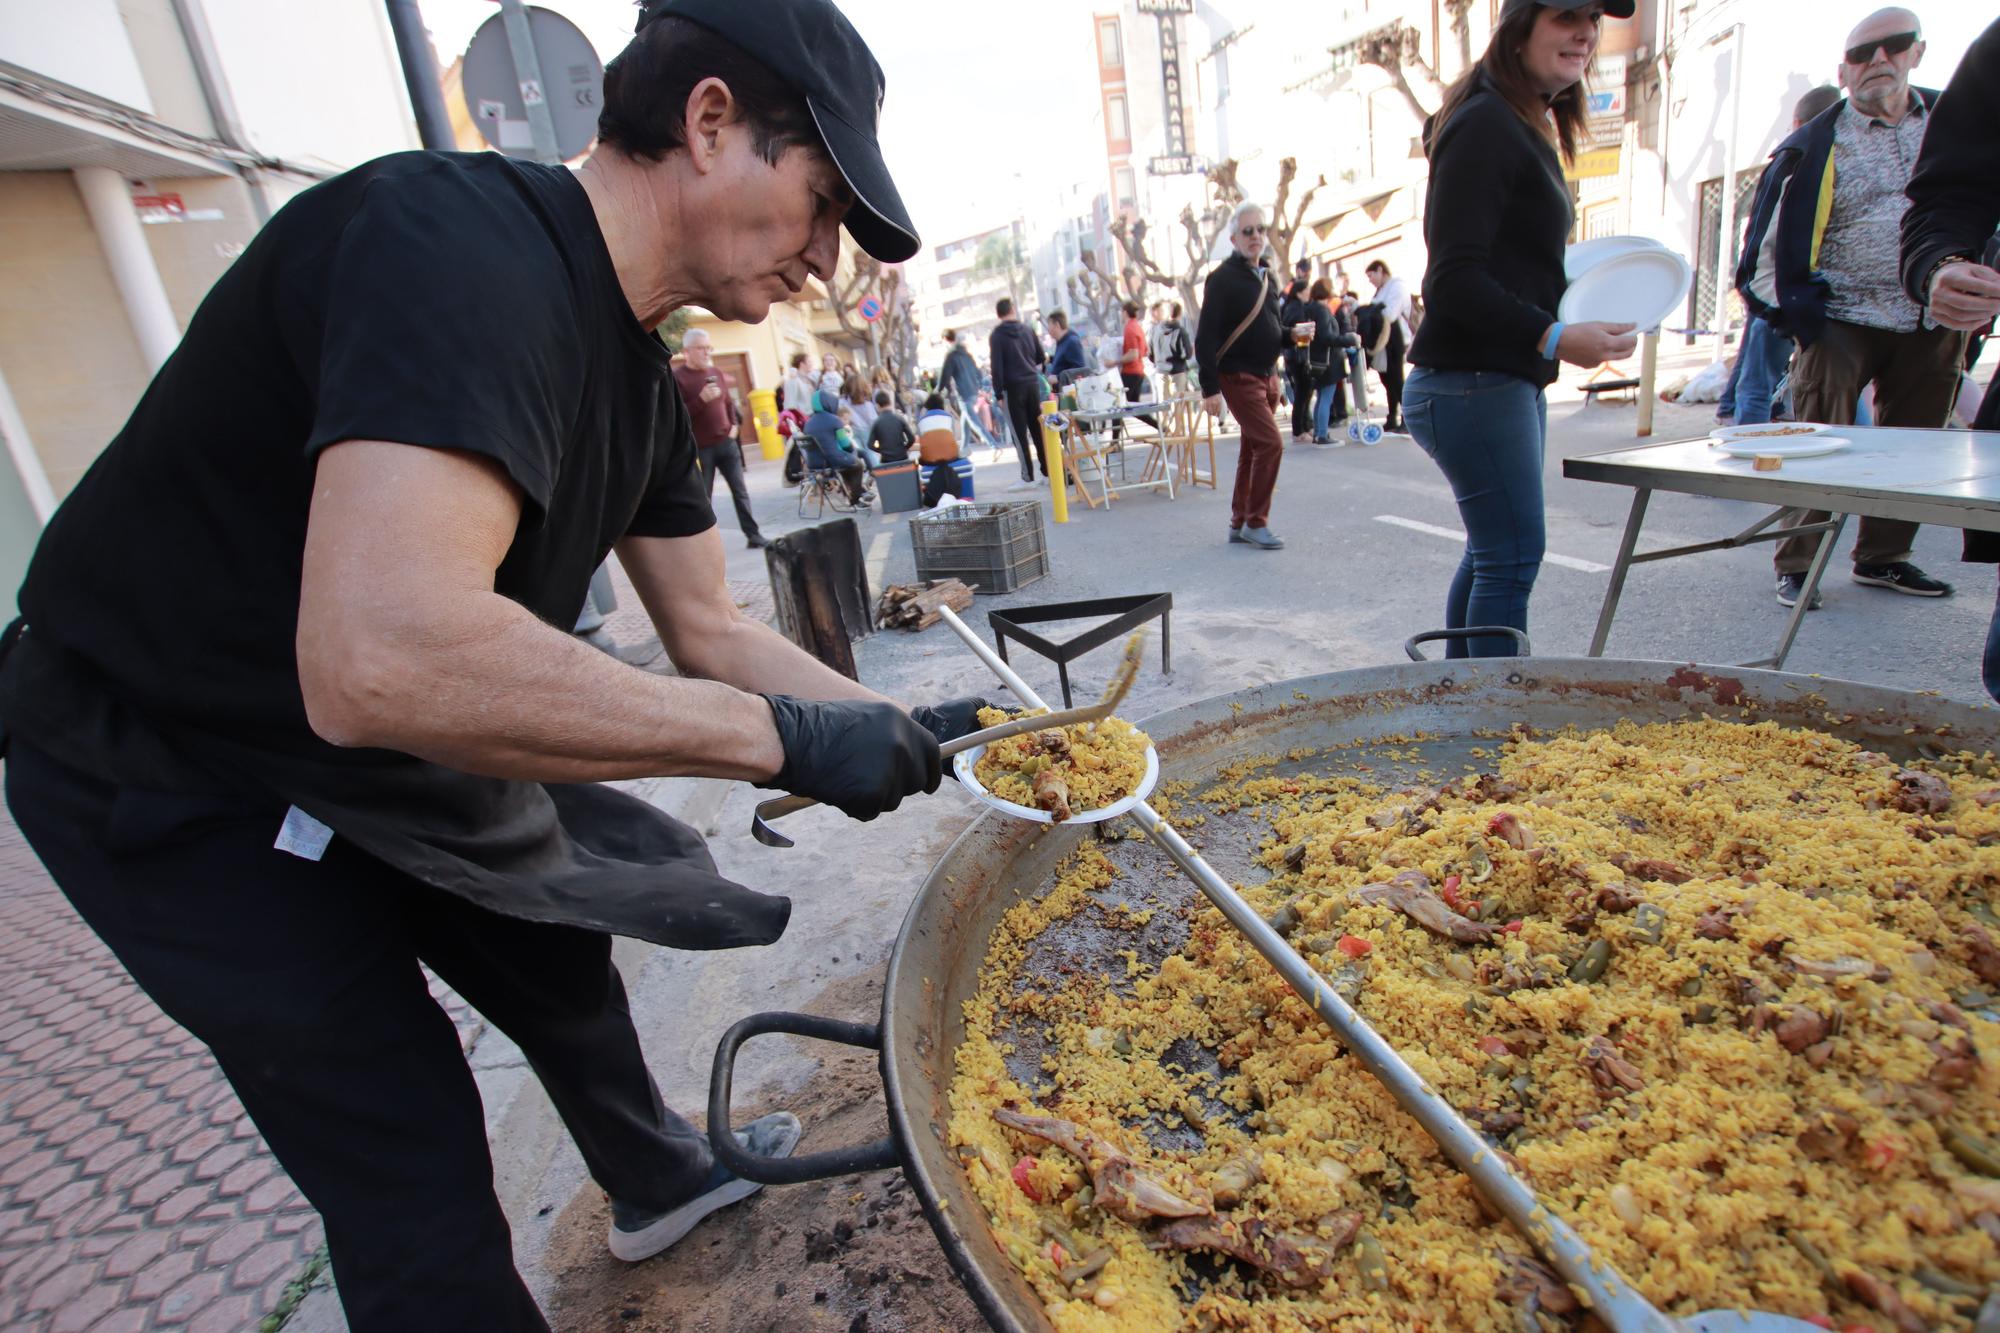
1693,1187
1105,762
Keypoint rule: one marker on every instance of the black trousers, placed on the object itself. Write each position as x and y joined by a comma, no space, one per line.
1302,396
726,457
1136,388
1392,375
302,978
1024,412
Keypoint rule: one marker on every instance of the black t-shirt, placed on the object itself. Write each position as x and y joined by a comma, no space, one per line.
891,436
444,300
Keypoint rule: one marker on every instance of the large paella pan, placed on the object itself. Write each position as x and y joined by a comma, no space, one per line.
1403,726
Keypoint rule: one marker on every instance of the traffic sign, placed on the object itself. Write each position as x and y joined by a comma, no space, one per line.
870,309
499,98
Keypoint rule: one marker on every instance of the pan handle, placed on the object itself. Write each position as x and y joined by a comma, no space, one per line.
877,1156
1469,632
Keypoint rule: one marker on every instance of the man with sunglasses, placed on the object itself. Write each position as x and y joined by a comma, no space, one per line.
1827,273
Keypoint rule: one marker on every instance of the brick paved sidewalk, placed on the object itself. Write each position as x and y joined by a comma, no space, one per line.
134,1192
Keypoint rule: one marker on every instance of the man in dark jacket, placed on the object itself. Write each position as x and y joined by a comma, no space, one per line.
1236,348
1292,312
1765,352
1823,268
1949,230
1016,356
1067,361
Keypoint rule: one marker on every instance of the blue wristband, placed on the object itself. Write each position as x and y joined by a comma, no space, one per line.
1553,341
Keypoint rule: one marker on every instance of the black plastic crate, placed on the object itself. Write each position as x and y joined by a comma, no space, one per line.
991,548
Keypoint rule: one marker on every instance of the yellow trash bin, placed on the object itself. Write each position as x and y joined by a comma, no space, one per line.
764,411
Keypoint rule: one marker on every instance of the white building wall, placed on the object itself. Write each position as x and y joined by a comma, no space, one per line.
314,83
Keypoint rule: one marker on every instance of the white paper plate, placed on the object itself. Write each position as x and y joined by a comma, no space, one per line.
962,764
1768,432
1584,256
1801,446
1641,288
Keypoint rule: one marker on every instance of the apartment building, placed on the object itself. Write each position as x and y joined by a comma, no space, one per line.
142,144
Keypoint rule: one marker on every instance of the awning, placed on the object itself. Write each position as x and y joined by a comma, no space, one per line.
35,136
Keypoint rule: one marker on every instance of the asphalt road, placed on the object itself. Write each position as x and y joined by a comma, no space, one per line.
1350,585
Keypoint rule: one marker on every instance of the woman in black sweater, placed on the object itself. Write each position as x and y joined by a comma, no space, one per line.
1236,348
1496,222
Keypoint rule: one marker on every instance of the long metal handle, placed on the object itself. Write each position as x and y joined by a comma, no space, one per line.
1611,1296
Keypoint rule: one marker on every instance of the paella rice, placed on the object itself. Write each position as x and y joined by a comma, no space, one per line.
1725,994
1063,770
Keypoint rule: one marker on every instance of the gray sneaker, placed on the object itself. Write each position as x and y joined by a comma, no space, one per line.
637,1235
1264,539
1236,535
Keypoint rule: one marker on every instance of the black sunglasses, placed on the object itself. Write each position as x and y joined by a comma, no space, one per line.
1895,46
1248,230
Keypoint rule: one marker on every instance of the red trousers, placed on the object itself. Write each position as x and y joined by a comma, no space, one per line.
1252,399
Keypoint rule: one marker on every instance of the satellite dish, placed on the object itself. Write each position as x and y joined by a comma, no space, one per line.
572,85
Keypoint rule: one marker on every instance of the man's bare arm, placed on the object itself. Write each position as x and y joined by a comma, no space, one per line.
680,580
404,644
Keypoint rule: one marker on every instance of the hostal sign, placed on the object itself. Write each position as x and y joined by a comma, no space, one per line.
1177,160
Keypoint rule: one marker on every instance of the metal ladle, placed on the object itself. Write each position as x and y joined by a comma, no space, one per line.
1609,1294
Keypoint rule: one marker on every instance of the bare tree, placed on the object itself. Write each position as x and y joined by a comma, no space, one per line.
1200,233
1284,230
893,337
1395,49
1093,293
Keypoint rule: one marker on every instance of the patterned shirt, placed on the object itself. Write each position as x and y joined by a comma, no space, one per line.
1863,246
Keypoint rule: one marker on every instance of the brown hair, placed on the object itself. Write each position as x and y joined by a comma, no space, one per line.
1321,290
1503,71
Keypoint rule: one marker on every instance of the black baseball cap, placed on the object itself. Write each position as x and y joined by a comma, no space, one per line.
811,45
1617,9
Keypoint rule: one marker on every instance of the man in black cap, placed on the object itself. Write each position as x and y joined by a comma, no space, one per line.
291,704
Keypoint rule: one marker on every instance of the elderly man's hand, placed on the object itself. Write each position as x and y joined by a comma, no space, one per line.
1212,405
710,392
1964,295
861,756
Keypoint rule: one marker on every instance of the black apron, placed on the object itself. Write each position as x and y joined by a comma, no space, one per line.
575,854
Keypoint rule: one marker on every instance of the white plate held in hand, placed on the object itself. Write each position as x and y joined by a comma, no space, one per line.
965,762
1640,288
1584,256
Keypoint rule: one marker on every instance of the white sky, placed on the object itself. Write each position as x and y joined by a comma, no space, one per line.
971,102
979,95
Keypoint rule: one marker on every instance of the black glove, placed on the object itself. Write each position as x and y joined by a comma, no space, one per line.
951,719
860,756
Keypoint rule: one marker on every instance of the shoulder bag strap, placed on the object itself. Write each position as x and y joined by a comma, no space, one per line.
1256,309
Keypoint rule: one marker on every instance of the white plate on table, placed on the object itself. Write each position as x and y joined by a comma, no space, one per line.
1768,432
1584,256
963,764
1640,288
1799,446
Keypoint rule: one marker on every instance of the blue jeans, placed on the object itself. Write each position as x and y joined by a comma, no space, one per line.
1486,432
1323,408
1761,361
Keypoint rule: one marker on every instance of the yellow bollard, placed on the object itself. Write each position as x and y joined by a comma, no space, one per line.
1052,453
764,411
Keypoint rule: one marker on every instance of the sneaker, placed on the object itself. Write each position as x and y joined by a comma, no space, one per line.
1904,577
1026,486
1236,535
636,1235
1264,539
1789,588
